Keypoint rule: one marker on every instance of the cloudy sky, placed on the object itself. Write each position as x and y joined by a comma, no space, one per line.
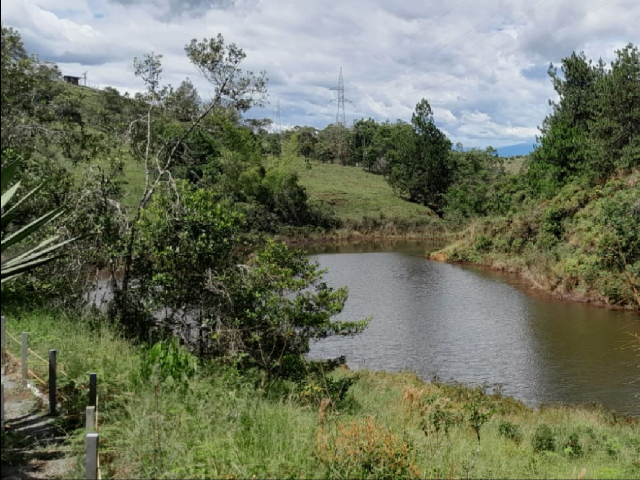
481,64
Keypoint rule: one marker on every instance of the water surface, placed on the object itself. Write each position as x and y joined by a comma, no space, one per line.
470,325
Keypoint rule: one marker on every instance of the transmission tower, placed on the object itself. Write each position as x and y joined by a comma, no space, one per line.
341,118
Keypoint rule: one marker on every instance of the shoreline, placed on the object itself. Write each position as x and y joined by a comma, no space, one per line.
356,236
530,287
524,283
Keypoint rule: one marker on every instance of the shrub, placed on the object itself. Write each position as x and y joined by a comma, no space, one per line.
573,447
543,439
483,243
169,363
439,416
366,450
510,431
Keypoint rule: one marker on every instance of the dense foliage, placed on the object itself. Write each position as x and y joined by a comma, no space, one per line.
176,193
593,129
570,221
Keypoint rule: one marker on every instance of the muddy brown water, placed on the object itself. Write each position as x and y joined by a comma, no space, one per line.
471,325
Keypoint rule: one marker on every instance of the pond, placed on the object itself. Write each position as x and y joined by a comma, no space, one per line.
470,325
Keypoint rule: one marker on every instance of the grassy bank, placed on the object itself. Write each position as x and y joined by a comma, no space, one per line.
218,424
354,193
578,245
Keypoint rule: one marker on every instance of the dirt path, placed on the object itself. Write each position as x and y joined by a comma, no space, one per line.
32,443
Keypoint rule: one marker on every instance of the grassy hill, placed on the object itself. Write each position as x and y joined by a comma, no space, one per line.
354,193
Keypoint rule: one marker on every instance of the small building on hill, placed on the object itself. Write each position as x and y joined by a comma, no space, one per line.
72,80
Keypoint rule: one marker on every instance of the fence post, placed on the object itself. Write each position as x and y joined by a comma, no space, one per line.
90,419
2,406
92,456
52,381
93,389
4,339
25,367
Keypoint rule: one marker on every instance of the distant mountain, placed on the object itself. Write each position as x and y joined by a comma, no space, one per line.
517,149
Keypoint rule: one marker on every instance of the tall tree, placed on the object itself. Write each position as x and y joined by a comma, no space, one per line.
594,128
423,170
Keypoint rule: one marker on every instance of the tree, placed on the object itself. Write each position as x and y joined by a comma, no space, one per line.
184,102
220,65
364,151
615,123
256,307
307,138
423,169
473,190
594,128
334,145
27,86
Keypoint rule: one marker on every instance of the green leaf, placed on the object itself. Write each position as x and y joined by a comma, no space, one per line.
8,195
10,214
36,252
31,228
8,172
10,273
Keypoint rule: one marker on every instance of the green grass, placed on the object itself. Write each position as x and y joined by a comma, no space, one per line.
221,426
354,193
515,165
560,244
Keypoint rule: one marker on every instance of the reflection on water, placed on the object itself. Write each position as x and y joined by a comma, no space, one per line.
474,326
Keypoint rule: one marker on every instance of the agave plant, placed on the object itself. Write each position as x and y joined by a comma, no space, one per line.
43,253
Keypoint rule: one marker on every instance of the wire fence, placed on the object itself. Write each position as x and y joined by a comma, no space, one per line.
92,459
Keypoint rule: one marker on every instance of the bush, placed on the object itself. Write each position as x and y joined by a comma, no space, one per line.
543,439
169,363
510,431
366,450
573,447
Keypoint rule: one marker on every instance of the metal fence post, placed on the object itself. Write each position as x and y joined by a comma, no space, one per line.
93,389
25,349
4,339
52,381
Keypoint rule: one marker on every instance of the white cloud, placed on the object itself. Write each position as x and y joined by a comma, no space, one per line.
480,64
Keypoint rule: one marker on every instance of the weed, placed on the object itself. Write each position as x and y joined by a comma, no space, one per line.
364,449
510,431
543,439
573,447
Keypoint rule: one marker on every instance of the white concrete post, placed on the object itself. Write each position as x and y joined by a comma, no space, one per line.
92,456
91,419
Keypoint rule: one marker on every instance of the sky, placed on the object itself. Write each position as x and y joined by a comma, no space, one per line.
481,64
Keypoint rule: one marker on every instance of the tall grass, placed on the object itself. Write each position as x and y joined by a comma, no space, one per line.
219,424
